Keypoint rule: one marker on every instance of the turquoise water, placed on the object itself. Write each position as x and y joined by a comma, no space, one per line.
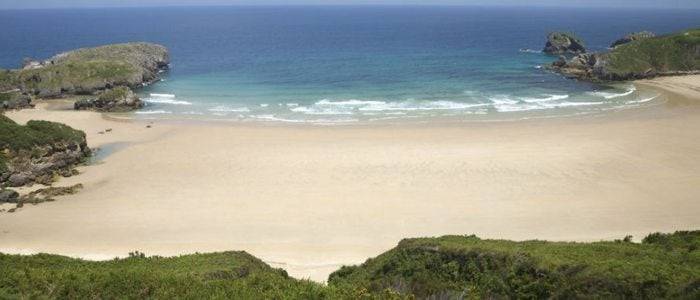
349,64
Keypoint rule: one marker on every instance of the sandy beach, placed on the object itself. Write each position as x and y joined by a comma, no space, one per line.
311,198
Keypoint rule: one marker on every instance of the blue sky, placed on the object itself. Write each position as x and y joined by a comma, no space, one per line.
5,4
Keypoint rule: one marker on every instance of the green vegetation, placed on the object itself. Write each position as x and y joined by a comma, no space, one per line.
7,80
88,70
115,94
671,53
81,76
663,266
15,137
36,133
230,275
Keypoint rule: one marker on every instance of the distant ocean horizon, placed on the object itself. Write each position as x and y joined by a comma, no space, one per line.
340,64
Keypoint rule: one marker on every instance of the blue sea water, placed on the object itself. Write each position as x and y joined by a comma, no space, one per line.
349,63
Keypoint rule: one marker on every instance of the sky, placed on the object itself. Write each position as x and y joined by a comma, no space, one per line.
23,4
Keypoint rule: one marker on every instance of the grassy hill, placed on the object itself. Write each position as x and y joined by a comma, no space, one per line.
665,54
663,266
88,70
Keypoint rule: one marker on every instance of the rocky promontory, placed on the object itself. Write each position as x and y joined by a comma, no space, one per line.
563,43
88,71
38,152
674,54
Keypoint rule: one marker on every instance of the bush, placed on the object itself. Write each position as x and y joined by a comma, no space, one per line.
36,133
471,267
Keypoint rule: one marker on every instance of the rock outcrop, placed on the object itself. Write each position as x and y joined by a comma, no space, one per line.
8,196
676,54
91,70
15,100
42,164
633,37
38,152
563,43
115,100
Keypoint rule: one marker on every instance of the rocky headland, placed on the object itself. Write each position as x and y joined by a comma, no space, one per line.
90,71
637,56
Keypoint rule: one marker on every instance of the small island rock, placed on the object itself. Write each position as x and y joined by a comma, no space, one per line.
563,43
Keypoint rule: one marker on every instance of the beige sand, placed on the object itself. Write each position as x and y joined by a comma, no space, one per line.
310,198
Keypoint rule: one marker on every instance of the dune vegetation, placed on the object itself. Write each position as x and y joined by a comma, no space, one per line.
450,267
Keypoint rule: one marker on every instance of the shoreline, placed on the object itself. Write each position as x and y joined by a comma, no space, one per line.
310,198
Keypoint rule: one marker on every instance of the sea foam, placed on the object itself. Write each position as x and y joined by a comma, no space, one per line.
608,95
165,99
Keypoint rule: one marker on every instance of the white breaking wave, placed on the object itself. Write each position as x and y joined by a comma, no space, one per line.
225,109
153,112
608,95
546,99
525,50
347,107
163,95
641,100
165,99
505,103
570,104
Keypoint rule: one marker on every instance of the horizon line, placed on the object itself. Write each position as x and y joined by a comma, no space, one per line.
351,5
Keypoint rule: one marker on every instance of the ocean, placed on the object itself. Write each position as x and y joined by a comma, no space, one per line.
346,64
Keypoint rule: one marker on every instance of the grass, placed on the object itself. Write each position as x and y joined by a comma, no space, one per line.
80,75
36,133
115,94
670,53
229,275
663,266
88,70
15,137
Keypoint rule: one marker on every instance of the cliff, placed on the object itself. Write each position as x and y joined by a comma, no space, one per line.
675,54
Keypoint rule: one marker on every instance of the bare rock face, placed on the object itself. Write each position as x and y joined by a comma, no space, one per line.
563,43
43,164
119,99
633,37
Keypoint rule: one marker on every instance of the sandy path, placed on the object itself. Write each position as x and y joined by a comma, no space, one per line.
310,198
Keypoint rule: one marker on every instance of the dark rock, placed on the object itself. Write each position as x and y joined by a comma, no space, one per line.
19,179
16,101
563,43
8,196
633,37
119,99
42,164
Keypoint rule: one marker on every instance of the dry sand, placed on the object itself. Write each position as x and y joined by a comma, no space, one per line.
311,198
